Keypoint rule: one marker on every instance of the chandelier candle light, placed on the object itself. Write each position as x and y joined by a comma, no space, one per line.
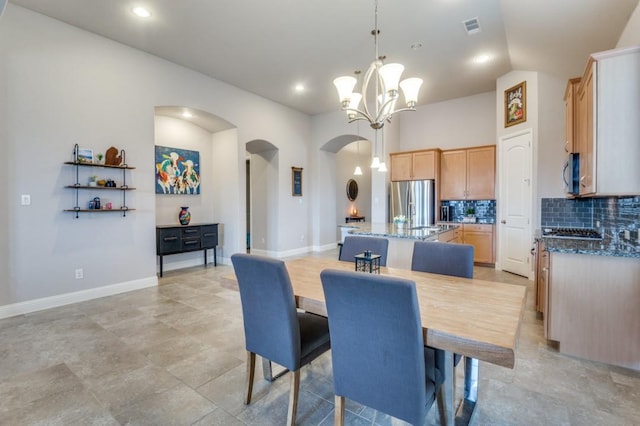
387,79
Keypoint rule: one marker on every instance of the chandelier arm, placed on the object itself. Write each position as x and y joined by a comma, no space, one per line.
365,87
351,120
402,110
379,117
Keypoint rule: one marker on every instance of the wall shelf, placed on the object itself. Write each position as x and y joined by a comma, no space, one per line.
77,186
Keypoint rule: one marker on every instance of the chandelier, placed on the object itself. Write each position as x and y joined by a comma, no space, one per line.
386,78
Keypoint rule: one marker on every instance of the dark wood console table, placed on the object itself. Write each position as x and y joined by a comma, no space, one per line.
173,239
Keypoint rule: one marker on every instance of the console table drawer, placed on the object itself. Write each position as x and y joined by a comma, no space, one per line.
169,240
209,236
191,232
189,244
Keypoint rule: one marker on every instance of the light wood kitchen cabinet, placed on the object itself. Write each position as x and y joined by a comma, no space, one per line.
606,125
570,108
585,132
480,236
415,165
593,307
542,278
451,236
468,174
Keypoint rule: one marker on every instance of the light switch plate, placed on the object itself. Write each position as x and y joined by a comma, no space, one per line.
25,199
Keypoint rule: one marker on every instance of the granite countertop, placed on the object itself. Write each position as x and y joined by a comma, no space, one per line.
479,220
389,230
603,247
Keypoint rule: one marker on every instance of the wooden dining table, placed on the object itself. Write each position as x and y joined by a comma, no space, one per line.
475,318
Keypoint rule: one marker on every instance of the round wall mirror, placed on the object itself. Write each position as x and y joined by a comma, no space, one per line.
352,190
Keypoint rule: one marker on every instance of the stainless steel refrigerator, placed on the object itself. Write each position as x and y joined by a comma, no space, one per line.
414,200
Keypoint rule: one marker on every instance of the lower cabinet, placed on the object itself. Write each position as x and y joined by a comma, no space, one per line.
451,236
173,239
542,282
592,307
480,236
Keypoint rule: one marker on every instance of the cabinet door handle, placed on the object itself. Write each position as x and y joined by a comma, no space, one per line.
187,243
169,238
190,231
210,234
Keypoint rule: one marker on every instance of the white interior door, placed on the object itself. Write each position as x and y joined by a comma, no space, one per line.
515,203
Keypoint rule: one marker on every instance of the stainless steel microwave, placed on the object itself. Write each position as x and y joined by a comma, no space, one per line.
571,174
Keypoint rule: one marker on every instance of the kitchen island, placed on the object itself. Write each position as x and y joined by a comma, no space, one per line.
401,239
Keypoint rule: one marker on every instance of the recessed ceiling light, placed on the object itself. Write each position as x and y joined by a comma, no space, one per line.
415,46
482,59
187,114
141,12
299,88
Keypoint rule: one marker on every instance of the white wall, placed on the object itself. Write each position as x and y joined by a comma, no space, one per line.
61,85
631,34
457,123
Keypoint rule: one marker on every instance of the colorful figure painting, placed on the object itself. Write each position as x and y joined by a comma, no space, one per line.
177,171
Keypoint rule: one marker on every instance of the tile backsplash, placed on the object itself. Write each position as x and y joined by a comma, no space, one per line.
484,209
613,217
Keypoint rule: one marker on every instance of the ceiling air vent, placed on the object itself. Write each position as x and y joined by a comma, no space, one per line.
472,26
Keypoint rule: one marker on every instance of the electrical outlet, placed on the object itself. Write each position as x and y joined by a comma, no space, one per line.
301,237
79,274
25,199
627,234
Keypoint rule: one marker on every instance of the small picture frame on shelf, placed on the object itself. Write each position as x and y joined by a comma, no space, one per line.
85,155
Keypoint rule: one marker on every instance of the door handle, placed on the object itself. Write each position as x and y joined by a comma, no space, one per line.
503,221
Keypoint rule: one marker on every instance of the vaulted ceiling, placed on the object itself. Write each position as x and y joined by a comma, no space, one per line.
268,47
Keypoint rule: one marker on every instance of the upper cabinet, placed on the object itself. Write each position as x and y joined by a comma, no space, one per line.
570,105
415,165
468,174
606,124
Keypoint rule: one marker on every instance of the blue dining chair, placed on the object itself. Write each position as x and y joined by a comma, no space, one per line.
273,327
377,346
355,244
445,259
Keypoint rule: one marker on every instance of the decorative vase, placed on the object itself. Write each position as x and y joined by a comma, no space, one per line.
184,216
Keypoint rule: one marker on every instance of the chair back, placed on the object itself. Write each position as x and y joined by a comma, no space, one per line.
377,346
271,326
355,244
443,258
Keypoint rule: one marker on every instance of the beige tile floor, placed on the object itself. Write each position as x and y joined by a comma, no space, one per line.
174,355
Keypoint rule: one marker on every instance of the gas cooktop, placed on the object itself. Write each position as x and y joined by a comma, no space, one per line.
573,233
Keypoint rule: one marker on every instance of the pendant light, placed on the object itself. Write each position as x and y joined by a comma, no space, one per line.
383,167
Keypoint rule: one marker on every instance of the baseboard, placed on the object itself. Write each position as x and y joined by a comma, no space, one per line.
294,252
75,297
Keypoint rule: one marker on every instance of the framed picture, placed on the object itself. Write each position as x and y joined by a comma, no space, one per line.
85,155
177,171
296,181
515,104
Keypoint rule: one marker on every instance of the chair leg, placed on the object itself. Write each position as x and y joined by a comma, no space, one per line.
338,416
293,397
441,406
251,368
